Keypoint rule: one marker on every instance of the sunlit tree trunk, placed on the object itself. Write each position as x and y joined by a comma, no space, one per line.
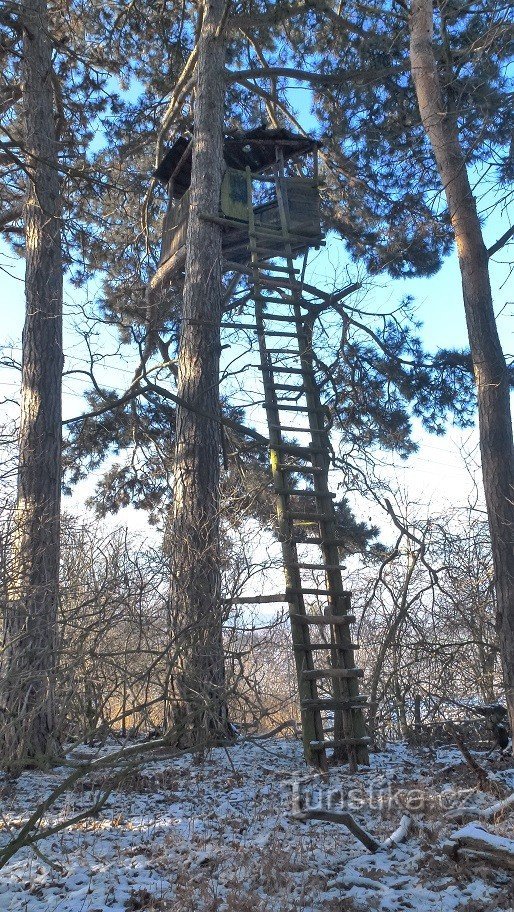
491,375
195,594
29,630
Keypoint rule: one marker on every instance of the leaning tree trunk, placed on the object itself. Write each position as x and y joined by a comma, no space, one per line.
29,630
491,375
195,591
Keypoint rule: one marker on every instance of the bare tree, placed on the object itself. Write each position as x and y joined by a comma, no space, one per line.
28,657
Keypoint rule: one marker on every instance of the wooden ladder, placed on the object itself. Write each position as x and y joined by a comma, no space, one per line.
330,703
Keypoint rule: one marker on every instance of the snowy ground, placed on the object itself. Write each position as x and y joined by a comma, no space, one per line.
217,835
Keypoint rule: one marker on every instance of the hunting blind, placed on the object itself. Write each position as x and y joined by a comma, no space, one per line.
269,210
271,156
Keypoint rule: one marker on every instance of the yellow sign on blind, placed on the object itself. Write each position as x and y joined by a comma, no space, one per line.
234,197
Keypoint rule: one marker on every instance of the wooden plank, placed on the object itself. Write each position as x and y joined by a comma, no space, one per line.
257,599
303,493
287,318
284,387
300,469
343,673
297,450
313,592
271,267
271,234
247,326
321,646
322,745
321,566
310,517
268,332
320,620
331,703
288,370
318,591
292,352
289,428
303,408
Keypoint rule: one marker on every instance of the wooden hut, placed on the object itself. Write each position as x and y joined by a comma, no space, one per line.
274,156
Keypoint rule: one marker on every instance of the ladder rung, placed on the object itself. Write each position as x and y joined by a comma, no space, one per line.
223,222
312,675
331,703
283,319
335,620
290,427
303,408
290,370
284,351
306,470
342,647
252,326
302,492
288,387
302,591
317,541
263,240
303,566
287,300
306,591
348,742
311,517
275,282
297,450
272,268
276,234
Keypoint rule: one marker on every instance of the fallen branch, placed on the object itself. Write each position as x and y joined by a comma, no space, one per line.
497,808
474,843
477,813
346,820
399,834
485,783
290,724
116,765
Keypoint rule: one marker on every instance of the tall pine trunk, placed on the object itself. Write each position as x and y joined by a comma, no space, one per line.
29,630
490,369
195,591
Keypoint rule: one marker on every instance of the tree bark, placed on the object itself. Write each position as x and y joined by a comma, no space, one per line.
490,369
195,592
29,629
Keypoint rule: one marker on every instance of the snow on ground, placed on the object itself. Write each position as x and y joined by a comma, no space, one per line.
216,834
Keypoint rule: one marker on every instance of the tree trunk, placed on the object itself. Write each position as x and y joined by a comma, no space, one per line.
29,630
491,376
195,590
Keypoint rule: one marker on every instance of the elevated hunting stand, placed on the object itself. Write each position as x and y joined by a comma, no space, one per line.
270,210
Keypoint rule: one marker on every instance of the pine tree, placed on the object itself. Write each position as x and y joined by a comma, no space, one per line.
195,542
28,656
441,123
